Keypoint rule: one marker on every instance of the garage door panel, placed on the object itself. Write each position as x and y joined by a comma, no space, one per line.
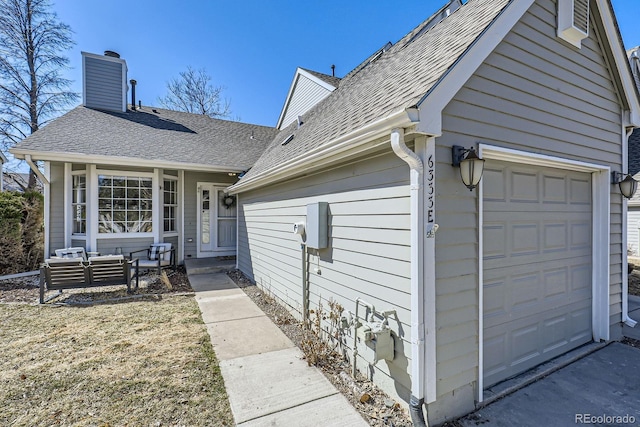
537,266
529,342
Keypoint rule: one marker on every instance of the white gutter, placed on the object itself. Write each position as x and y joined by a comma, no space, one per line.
417,267
35,170
361,139
58,156
625,276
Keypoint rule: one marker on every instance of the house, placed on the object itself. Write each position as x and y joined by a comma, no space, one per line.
633,212
18,181
119,176
354,199
485,284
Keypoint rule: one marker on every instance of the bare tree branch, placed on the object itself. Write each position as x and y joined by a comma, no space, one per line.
192,92
32,89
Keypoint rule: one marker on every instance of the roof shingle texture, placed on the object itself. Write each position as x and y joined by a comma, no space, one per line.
398,79
153,134
332,80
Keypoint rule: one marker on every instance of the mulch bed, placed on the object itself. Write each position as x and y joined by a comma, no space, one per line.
375,406
26,289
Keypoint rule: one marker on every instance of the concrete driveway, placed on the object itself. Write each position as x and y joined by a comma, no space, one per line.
602,388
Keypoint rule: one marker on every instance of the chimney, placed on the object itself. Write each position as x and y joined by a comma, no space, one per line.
133,94
104,81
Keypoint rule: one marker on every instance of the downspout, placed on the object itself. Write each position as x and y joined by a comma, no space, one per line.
34,168
417,292
625,295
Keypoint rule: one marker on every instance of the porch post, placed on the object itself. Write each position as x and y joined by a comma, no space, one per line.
156,197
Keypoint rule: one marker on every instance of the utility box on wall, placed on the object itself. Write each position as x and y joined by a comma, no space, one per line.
317,227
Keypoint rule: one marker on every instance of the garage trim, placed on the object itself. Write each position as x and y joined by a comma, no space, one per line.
600,240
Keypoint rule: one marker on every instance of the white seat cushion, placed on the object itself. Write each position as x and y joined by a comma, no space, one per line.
148,263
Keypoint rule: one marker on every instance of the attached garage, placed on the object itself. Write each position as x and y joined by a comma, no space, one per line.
537,265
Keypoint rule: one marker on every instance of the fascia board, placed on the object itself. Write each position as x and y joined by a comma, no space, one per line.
327,152
288,98
621,61
53,156
316,80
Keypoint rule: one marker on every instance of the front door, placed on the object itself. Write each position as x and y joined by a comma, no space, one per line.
216,221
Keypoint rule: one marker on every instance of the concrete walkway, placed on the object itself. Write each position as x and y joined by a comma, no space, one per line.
268,382
634,313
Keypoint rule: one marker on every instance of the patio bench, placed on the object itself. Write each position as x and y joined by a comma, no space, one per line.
59,274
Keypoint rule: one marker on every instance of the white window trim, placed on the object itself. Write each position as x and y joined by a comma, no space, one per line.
601,233
94,204
217,251
177,180
68,203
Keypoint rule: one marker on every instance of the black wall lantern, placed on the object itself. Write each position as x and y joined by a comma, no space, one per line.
625,182
471,166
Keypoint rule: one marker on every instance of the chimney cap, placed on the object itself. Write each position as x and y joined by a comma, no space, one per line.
111,53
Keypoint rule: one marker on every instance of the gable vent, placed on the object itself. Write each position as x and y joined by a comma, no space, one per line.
581,15
573,21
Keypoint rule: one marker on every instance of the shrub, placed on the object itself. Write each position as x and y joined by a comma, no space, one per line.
21,232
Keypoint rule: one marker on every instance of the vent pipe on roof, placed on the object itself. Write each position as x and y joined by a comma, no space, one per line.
333,70
111,54
133,94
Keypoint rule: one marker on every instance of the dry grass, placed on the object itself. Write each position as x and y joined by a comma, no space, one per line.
138,363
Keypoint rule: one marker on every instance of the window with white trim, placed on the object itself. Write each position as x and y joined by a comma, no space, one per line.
79,204
125,204
170,188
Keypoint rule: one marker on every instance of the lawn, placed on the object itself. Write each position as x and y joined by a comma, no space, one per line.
138,363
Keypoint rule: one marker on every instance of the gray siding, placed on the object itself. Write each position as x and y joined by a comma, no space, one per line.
633,229
191,180
368,254
127,245
306,94
56,208
103,84
537,94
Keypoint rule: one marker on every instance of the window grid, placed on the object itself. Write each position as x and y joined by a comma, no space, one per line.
79,204
170,204
124,204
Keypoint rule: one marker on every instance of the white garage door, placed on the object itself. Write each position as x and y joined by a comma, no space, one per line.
537,226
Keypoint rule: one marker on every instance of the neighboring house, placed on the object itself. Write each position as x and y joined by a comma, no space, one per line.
633,211
17,181
3,160
485,284
119,178
525,268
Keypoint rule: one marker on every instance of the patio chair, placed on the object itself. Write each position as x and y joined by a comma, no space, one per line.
72,253
158,256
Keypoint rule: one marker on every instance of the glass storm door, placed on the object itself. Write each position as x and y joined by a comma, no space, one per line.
216,220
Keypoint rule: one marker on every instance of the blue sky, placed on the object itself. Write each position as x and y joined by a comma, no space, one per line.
252,48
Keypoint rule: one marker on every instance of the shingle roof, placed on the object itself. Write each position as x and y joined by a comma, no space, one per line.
153,134
399,78
332,80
